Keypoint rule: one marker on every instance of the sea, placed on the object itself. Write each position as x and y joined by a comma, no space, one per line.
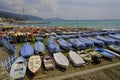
107,24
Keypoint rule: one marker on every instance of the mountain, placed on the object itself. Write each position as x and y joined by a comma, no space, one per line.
18,16
55,19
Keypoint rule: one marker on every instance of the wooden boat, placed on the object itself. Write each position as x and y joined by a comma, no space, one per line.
34,64
18,69
27,50
48,62
39,47
76,59
86,56
105,53
61,60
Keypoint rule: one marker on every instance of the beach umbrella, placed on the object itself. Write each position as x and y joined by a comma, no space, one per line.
28,33
53,33
11,32
1,34
32,33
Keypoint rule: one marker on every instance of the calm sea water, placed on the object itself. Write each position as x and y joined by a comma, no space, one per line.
83,23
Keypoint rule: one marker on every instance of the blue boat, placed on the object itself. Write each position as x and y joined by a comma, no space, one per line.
115,37
112,39
12,47
77,44
53,47
39,39
105,40
87,42
39,47
65,36
7,45
64,44
105,53
97,42
27,50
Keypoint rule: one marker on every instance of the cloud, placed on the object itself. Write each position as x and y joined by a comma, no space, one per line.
43,8
11,5
68,9
90,9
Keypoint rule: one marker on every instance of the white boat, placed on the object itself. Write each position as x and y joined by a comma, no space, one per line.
61,60
76,59
86,56
18,69
39,47
115,48
34,64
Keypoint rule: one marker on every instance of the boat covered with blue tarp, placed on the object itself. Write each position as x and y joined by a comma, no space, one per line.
115,37
53,47
105,40
27,50
6,43
97,42
39,47
64,44
112,39
77,44
86,42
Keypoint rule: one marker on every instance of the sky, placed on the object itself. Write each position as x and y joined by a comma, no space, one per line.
66,9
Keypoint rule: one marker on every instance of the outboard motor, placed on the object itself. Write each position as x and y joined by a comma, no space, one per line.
97,59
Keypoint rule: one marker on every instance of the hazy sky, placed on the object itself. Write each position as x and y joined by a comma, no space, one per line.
67,9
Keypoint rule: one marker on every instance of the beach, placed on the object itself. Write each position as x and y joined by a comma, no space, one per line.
52,73
18,38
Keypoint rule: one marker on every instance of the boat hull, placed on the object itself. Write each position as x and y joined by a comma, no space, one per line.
105,53
61,60
34,64
48,62
114,48
76,59
18,69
